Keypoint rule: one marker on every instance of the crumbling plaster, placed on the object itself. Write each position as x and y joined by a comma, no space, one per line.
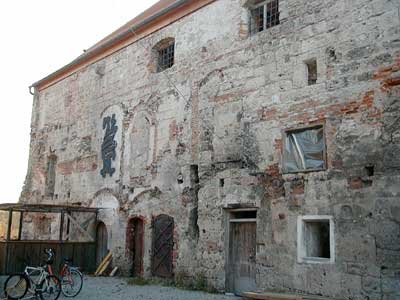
224,106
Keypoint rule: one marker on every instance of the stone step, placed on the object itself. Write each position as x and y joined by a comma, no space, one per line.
281,296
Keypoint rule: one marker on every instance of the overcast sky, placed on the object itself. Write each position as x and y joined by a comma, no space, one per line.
37,38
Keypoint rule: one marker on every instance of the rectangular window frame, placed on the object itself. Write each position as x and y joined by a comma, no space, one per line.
301,246
287,131
254,28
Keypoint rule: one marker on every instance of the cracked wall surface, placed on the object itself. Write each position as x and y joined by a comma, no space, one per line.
233,96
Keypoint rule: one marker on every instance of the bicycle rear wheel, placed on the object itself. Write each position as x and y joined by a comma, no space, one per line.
16,286
71,283
50,288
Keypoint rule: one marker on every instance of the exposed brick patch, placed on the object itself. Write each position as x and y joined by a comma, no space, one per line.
267,114
274,182
230,97
79,165
174,130
357,183
387,76
66,168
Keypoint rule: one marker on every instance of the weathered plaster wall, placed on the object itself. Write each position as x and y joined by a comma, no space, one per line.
231,98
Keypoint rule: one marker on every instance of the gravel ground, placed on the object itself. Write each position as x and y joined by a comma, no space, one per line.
103,288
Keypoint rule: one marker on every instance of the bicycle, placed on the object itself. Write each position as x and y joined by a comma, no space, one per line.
71,277
35,280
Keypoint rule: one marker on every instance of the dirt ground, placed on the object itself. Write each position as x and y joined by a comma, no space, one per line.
103,288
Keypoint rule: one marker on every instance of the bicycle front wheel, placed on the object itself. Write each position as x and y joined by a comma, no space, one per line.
50,288
16,286
71,283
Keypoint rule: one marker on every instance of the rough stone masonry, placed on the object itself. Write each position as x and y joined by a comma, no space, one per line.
263,154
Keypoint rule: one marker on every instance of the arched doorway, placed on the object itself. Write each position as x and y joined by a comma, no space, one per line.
134,238
102,242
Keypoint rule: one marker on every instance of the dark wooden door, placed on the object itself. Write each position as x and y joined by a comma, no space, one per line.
242,257
136,231
163,244
102,242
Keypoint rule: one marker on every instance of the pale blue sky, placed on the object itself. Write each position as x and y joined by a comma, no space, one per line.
37,38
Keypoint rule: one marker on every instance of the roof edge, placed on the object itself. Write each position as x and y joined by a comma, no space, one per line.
67,70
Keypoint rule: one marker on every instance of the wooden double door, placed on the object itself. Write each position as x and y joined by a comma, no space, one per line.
241,271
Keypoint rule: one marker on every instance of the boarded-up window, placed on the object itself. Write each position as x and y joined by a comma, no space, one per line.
51,175
304,150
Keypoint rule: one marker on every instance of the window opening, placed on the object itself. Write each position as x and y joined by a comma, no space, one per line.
265,15
370,170
304,150
315,239
312,72
221,182
166,57
246,214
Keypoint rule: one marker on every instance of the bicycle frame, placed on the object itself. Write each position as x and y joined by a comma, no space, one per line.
29,272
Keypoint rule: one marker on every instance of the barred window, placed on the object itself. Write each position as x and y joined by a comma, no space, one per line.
264,15
166,57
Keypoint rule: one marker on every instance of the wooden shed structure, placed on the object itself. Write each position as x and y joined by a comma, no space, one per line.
27,229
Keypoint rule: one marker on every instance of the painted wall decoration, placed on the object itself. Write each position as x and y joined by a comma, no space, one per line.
108,153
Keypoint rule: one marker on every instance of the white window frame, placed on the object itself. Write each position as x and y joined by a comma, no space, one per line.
301,243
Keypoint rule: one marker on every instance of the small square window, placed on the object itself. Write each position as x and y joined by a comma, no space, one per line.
315,239
166,57
264,15
312,72
304,150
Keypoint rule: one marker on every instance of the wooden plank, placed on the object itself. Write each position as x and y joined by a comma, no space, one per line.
270,296
104,268
10,217
78,226
282,296
61,226
3,258
21,222
107,258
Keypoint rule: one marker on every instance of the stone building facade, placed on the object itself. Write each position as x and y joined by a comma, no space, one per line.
252,144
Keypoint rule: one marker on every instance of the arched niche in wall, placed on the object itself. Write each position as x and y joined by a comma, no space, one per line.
108,206
110,144
138,148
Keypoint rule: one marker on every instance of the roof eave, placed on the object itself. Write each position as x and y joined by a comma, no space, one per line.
111,42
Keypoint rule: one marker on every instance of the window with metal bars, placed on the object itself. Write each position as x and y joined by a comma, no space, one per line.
264,15
166,57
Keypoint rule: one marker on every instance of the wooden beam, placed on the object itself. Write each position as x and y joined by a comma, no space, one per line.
61,226
10,216
21,222
281,296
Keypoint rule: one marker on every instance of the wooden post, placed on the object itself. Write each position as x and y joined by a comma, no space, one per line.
10,215
10,212
95,237
68,225
21,221
61,226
